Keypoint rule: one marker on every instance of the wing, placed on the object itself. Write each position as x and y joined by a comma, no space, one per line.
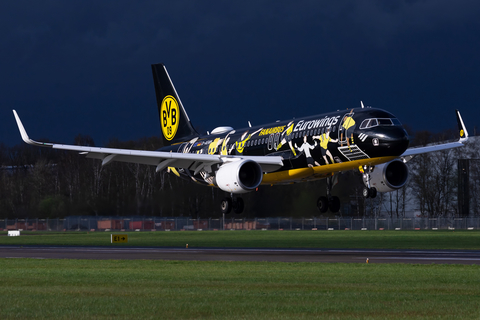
161,160
410,153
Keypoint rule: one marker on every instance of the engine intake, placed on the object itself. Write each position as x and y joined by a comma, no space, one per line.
389,176
239,176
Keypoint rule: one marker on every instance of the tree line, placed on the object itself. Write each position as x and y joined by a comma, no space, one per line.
46,183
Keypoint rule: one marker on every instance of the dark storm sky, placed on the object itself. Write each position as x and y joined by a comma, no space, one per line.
71,67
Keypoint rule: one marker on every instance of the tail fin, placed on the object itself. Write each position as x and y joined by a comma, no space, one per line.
174,121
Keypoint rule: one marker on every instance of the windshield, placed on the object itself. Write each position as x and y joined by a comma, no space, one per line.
369,123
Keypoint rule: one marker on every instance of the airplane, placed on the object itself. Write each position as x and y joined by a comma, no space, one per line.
279,153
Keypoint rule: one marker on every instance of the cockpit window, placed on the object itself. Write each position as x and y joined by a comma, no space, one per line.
385,122
369,123
396,122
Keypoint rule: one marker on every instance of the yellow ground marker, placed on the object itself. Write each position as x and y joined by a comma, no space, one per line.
118,238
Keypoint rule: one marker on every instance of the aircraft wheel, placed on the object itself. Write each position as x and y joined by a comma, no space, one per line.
322,204
373,192
334,204
366,192
238,205
226,205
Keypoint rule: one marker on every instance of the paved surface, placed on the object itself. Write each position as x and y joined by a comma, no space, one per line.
227,254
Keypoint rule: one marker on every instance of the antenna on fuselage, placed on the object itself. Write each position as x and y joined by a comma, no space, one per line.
362,104
249,124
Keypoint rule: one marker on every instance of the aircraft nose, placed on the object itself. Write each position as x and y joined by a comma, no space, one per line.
395,139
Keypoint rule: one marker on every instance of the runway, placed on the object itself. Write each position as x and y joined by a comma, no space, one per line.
229,254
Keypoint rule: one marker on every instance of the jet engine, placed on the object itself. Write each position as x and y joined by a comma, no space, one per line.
239,176
388,176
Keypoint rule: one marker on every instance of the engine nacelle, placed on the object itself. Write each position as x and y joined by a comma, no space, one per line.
389,176
239,176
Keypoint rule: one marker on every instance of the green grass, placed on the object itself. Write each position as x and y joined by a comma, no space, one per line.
126,289
466,239
88,289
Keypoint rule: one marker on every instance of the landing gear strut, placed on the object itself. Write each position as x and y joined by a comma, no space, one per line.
230,203
328,202
368,191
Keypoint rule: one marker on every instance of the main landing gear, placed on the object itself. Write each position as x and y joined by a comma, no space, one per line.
328,202
368,191
229,203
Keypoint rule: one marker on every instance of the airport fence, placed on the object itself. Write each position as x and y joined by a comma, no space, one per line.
188,224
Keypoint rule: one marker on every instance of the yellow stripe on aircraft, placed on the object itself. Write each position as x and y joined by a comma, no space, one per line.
319,172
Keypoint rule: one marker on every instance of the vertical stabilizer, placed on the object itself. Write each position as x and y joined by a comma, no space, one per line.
174,121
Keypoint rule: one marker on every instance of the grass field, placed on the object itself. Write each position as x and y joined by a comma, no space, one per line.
86,289
445,239
138,289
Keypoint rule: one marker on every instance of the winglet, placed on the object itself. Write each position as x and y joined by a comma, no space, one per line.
24,134
462,128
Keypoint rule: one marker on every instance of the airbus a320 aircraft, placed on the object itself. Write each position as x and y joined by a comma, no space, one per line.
284,152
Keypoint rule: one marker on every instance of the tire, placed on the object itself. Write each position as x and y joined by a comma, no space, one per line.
366,192
373,192
238,206
322,204
334,204
226,205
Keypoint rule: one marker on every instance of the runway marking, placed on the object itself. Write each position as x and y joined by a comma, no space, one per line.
422,258
25,258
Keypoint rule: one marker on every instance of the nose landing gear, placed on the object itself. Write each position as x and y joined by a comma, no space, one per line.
368,191
230,203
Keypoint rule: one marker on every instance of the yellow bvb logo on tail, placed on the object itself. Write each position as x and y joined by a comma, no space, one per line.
170,116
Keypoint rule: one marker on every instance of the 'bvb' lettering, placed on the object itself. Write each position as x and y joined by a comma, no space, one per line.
169,111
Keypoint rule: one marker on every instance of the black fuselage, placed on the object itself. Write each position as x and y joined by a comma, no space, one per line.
319,140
